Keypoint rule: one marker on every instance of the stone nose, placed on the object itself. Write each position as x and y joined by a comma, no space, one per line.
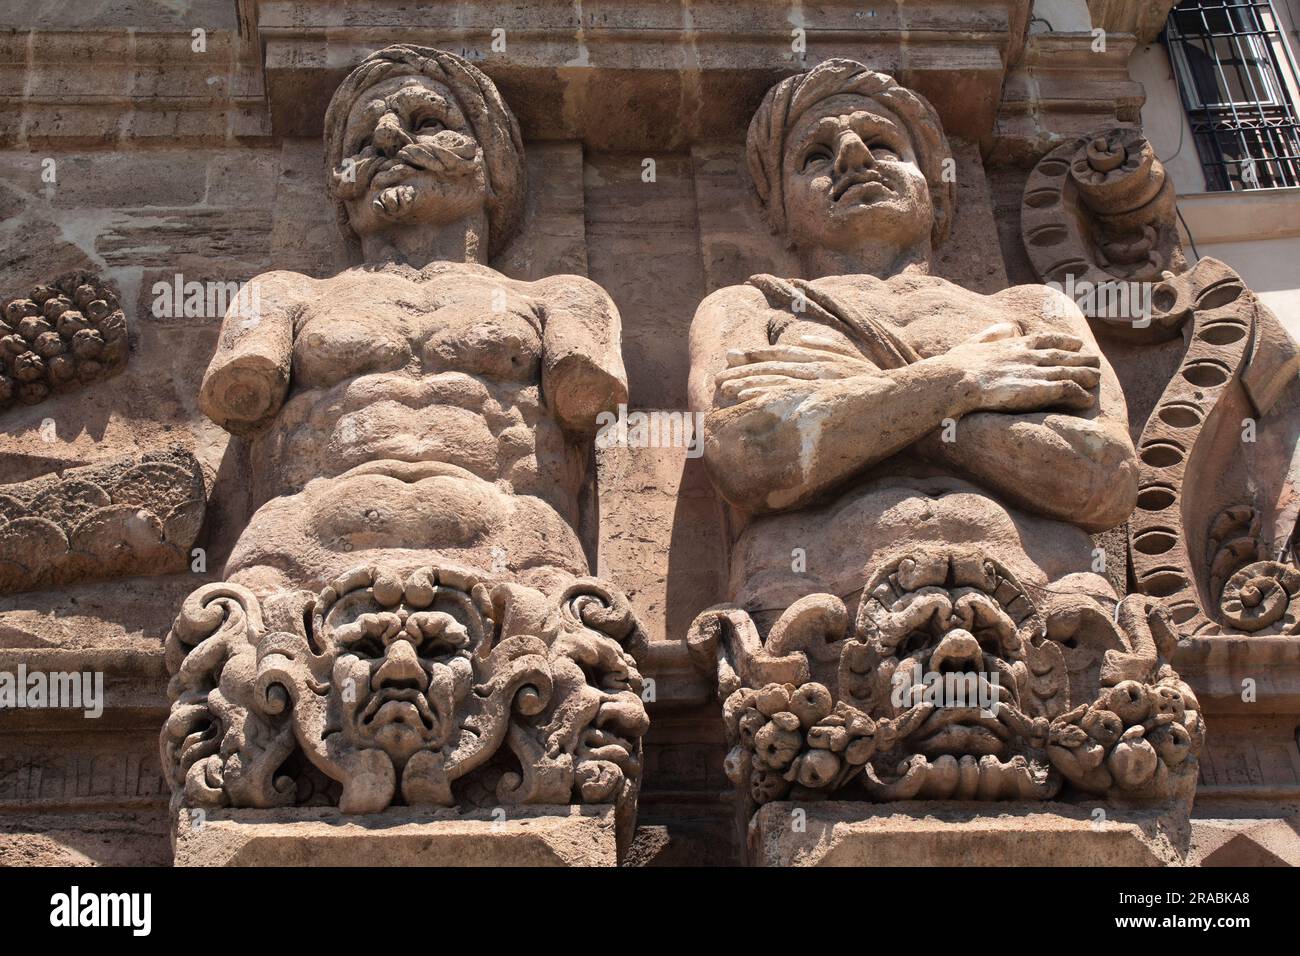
400,668
958,652
389,136
851,153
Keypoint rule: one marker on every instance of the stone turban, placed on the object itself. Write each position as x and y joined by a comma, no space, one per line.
490,120
793,96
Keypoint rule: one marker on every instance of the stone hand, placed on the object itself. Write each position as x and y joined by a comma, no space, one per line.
753,373
1008,372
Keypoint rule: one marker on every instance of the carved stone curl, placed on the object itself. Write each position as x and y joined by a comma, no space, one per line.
820,707
385,688
1098,209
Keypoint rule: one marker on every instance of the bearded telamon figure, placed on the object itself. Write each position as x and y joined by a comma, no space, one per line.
409,604
911,472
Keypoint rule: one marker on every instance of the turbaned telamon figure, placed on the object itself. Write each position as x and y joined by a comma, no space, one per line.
408,607
912,470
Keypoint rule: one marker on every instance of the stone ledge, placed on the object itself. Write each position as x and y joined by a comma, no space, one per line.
401,836
923,833
627,74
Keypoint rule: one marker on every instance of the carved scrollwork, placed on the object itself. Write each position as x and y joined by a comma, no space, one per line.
947,686
405,686
1223,315
1100,209
1263,598
128,516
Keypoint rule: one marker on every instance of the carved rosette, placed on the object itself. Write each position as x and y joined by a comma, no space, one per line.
419,689
59,337
824,707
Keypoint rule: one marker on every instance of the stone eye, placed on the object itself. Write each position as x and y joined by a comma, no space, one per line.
816,156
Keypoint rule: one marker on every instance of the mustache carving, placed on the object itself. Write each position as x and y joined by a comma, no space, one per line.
448,155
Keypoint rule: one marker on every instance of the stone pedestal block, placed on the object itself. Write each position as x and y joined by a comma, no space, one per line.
399,836
927,833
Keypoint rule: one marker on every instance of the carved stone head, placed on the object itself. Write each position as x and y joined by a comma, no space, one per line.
401,670
416,136
841,156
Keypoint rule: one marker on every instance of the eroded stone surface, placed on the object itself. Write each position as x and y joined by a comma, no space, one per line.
911,468
131,516
527,836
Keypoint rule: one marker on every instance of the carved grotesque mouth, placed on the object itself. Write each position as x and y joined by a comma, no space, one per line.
960,730
405,705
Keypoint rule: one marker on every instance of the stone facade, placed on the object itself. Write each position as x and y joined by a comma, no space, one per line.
584,434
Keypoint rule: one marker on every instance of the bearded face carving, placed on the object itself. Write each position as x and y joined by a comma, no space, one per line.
418,139
411,157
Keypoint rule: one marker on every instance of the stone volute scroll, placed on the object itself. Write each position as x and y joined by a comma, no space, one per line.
1212,537
408,619
912,472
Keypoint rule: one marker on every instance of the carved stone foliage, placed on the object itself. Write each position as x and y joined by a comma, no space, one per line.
828,704
427,688
1100,209
129,516
59,337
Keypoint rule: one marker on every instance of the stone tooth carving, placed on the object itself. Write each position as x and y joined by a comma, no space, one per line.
58,337
819,708
427,688
881,432
130,516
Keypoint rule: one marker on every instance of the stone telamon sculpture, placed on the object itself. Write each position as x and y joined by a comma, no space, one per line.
407,617
911,472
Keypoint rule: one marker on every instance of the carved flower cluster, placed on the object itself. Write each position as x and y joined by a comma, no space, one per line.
792,735
1129,739
69,333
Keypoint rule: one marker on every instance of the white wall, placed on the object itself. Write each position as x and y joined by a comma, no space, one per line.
1256,233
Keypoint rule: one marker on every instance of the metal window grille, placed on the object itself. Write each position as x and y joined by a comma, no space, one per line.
1238,82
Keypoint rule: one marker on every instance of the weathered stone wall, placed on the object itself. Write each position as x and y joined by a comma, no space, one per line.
209,165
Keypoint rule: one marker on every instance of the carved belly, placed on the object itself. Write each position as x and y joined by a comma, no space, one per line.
403,515
452,418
